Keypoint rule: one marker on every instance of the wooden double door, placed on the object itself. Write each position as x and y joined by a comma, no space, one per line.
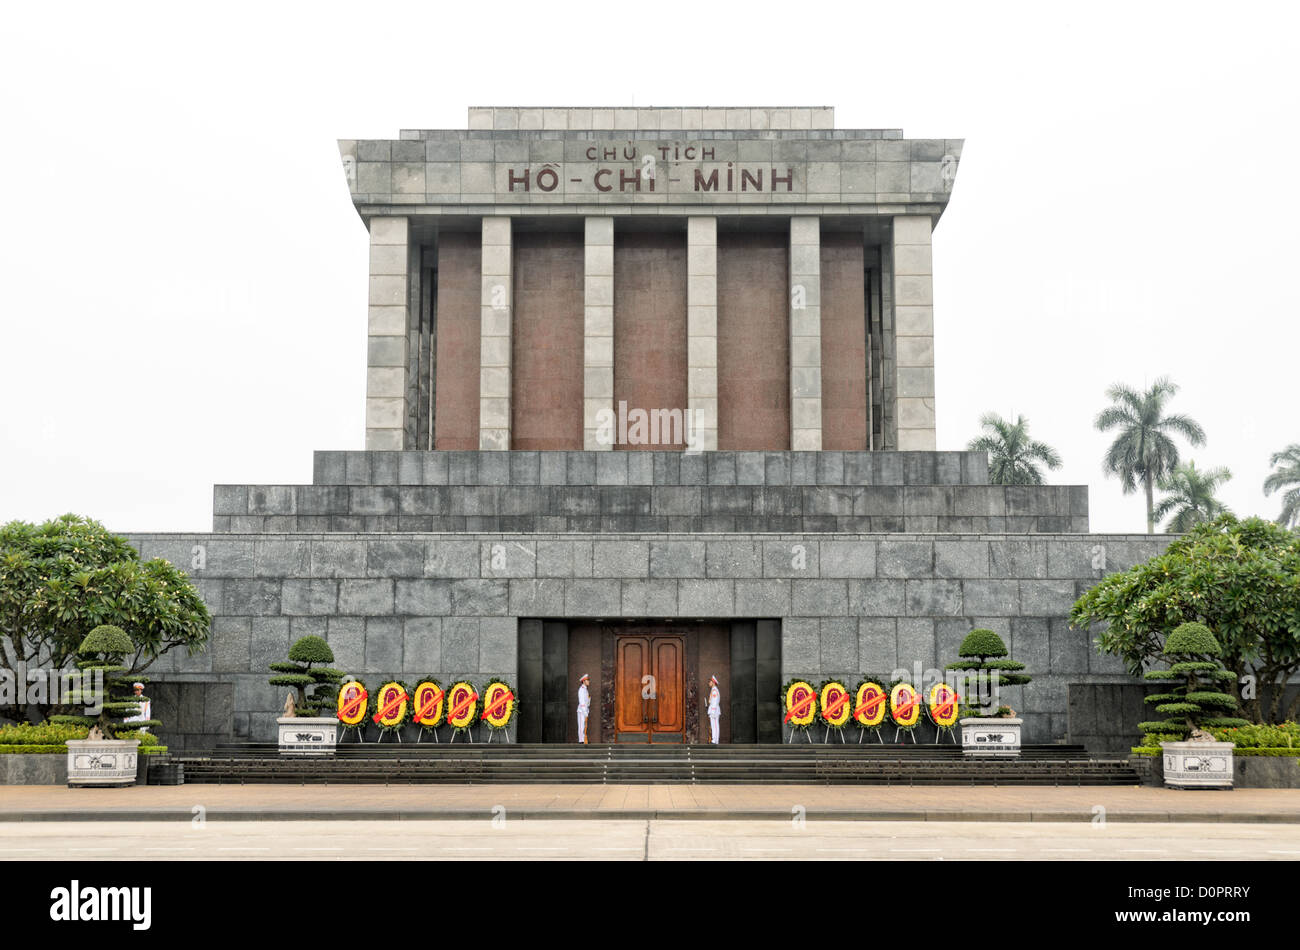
649,688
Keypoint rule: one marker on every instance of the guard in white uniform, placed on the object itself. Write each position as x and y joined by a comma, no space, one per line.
144,707
584,707
715,707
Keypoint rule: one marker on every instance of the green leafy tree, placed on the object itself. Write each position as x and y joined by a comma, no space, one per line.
1239,578
1286,475
1014,458
1144,451
1194,702
302,671
1190,497
983,655
61,579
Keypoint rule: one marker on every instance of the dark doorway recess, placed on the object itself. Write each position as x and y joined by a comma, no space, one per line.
649,679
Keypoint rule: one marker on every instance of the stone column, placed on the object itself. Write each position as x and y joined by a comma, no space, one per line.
386,343
598,328
496,311
913,333
702,331
805,334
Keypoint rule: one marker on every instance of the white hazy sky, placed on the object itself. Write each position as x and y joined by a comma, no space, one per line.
183,277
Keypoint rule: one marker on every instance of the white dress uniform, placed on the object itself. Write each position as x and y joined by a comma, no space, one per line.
584,707
144,710
715,708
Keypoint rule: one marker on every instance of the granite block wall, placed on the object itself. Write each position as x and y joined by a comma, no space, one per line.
588,492
451,605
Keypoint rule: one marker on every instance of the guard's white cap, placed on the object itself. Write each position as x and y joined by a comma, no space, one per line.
714,680
137,685
584,676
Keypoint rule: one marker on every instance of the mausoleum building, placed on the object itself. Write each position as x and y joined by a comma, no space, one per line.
650,392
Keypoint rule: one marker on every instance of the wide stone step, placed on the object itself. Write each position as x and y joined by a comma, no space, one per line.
367,763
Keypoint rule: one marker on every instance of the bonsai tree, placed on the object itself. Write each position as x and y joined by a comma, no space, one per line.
104,650
307,667
1194,702
982,655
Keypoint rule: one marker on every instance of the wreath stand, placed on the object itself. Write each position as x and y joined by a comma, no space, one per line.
840,730
907,731
468,736
939,733
804,729
398,731
423,729
865,729
359,729
492,731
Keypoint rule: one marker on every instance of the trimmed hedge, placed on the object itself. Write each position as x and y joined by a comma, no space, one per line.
46,734
1254,739
148,742
49,738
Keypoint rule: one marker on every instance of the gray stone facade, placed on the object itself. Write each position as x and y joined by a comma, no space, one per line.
651,491
405,602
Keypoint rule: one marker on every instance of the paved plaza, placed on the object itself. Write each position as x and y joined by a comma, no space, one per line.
713,803
637,840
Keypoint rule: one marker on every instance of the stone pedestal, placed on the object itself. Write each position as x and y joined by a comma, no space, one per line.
106,762
990,737
308,735
1198,764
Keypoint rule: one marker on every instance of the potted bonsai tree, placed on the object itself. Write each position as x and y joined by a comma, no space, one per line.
102,758
988,728
1193,703
301,730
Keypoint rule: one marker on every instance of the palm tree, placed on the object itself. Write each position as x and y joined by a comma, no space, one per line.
1013,456
1143,451
1287,463
1190,497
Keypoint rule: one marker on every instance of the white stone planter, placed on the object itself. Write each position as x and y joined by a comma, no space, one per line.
990,737
308,735
107,762
1197,764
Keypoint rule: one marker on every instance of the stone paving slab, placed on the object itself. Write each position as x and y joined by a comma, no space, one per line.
645,802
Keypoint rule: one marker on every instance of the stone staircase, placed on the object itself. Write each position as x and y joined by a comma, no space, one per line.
821,764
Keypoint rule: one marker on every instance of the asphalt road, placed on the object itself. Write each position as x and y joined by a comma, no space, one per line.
636,840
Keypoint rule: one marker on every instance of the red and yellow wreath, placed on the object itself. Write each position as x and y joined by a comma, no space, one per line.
836,704
462,706
498,703
904,705
869,711
800,703
943,705
427,703
350,708
392,706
